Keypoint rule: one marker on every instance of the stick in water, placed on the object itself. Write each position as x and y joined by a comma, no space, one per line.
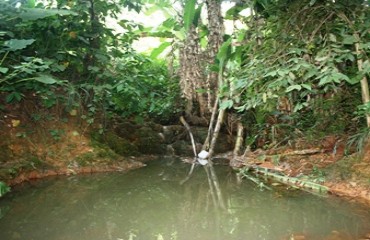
194,149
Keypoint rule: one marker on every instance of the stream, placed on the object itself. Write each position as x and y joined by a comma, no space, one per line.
150,203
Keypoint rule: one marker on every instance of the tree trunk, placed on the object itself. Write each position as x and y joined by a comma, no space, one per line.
215,39
239,139
219,122
364,82
191,73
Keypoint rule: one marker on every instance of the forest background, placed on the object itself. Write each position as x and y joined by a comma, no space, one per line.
286,70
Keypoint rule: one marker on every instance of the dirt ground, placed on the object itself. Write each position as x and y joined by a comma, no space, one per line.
346,174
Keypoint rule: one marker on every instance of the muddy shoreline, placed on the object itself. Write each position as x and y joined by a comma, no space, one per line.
352,192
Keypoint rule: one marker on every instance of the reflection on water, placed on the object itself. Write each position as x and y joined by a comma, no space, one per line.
151,204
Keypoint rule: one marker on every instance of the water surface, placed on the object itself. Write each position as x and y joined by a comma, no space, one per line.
150,203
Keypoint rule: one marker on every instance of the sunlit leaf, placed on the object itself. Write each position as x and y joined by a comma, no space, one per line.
225,51
197,13
271,73
169,23
15,122
332,37
31,3
306,86
180,35
321,58
227,104
46,79
160,49
293,87
189,13
4,70
366,67
292,76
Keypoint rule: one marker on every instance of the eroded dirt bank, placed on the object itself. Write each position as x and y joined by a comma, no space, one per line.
329,163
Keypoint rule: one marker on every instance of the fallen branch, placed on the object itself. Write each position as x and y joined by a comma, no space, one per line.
291,181
302,152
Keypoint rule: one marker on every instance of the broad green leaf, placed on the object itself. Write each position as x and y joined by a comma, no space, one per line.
120,87
201,90
180,35
197,13
307,86
366,67
355,80
203,43
169,23
14,96
338,77
294,87
93,69
321,59
292,76
224,51
189,13
46,79
299,106
31,3
272,74
30,14
157,51
332,37
349,39
4,70
226,104
324,80
282,73
17,44
3,188
365,46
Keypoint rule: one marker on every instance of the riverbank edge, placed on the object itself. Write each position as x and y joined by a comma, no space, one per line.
36,174
360,195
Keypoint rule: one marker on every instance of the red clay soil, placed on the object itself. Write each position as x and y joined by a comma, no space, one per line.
122,166
345,176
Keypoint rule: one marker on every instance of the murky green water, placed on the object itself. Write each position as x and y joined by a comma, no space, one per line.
151,204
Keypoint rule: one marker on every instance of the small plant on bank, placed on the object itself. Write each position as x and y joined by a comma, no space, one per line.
56,134
3,189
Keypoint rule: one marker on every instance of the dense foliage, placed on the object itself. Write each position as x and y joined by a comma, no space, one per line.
66,52
296,68
293,68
